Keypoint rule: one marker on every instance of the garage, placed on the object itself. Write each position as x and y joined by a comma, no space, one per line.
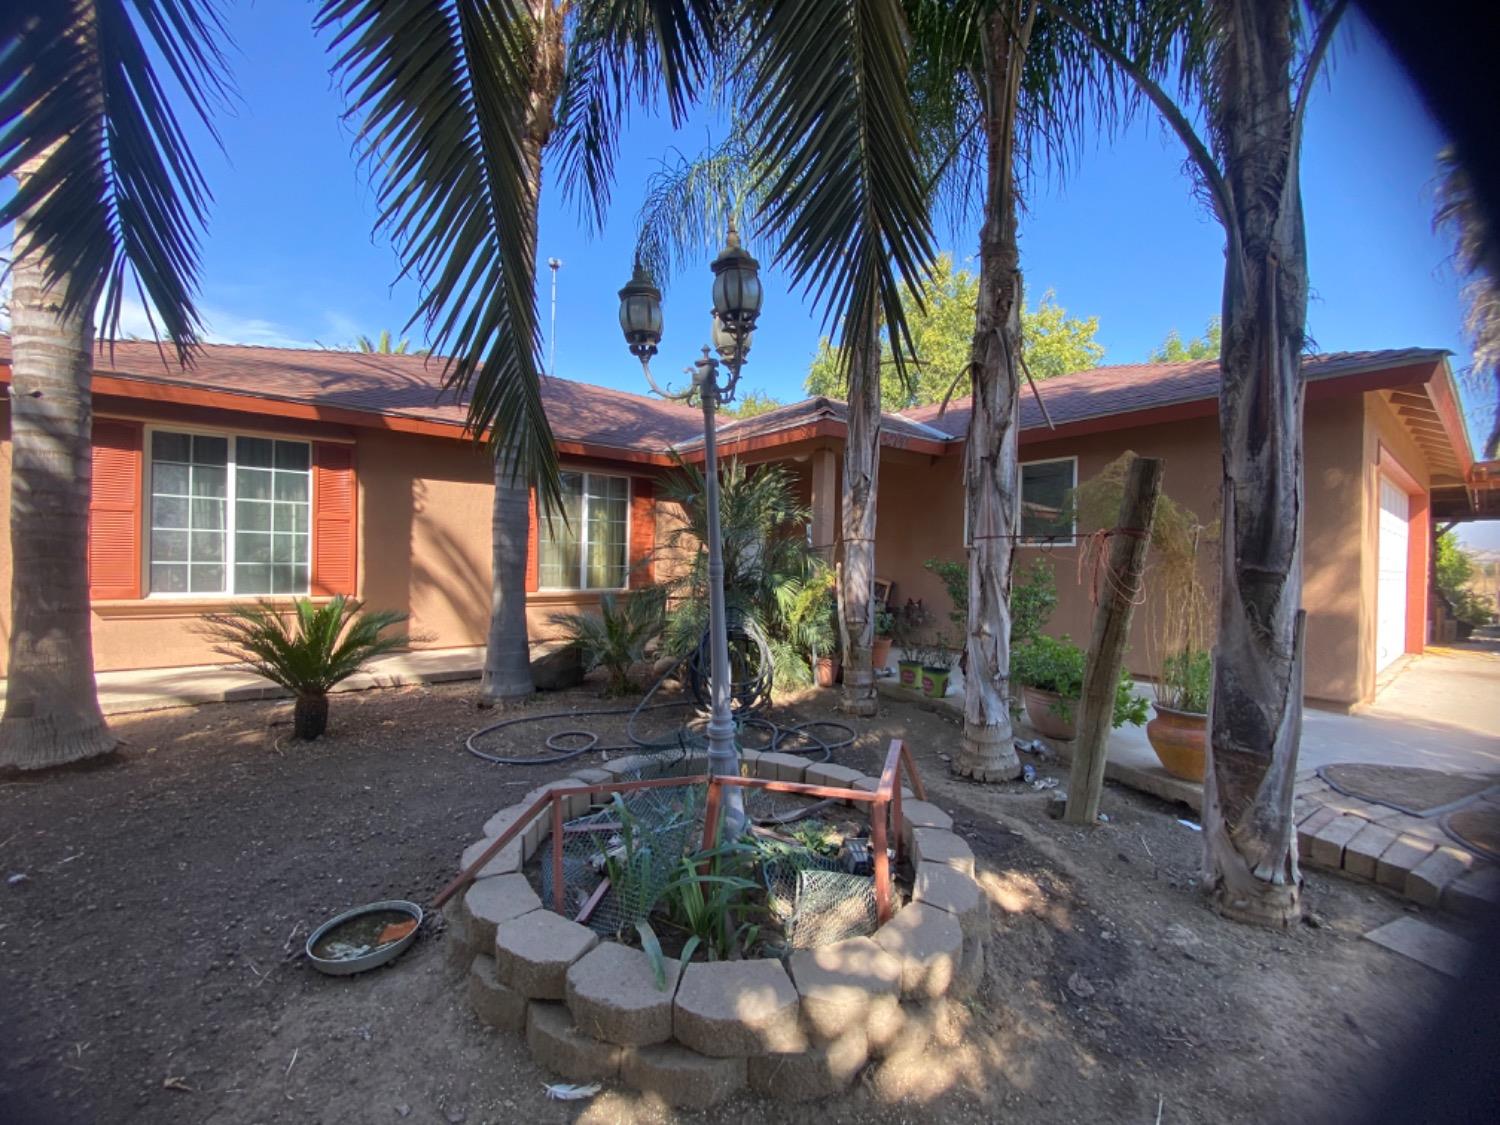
1391,590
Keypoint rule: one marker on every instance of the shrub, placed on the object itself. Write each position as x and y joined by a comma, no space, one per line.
616,637
320,647
1049,664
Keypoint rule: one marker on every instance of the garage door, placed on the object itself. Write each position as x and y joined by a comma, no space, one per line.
1390,601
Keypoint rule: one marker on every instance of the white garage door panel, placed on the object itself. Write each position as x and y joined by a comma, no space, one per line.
1390,596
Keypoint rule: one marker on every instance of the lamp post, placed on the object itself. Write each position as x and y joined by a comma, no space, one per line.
737,298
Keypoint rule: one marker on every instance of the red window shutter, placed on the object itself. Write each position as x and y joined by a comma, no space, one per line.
335,510
533,565
642,531
115,511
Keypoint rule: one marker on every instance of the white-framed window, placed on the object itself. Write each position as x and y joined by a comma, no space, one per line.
227,514
1045,511
592,550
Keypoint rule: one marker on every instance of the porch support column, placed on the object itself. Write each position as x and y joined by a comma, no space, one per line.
825,502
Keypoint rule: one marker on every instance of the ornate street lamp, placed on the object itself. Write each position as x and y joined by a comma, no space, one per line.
737,297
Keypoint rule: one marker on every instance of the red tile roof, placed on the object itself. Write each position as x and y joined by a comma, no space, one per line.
1129,387
397,385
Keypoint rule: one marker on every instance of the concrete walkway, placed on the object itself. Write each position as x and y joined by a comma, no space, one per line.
1440,711
152,689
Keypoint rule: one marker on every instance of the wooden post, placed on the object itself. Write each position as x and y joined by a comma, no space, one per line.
1117,593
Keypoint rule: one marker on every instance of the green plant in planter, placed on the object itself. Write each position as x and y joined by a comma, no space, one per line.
319,647
709,900
1186,677
616,637
1057,665
885,622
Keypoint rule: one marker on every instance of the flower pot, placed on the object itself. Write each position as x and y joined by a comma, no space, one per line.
911,673
935,682
826,671
1180,739
880,653
1044,720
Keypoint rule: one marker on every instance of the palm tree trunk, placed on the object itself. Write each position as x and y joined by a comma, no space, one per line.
52,713
1255,712
991,474
507,657
857,573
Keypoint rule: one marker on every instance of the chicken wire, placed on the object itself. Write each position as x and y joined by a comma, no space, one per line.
636,844
815,900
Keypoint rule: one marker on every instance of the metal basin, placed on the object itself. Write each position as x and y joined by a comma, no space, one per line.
378,954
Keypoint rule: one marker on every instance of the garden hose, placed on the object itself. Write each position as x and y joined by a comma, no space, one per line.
749,697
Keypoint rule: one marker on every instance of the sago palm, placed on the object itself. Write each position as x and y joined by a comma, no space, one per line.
317,649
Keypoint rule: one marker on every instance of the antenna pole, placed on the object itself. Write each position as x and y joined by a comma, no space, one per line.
554,264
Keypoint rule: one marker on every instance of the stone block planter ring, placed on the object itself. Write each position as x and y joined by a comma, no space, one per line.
592,1008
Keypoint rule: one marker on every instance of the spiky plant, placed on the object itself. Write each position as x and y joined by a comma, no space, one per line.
616,637
307,651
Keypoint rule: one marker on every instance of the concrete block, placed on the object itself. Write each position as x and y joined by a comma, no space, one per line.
682,1077
1362,854
929,943
533,952
970,967
726,1008
502,820
1310,825
817,1072
1475,894
492,900
494,1003
561,1048
851,983
949,889
1397,861
827,773
612,994
871,784
933,845
1329,841
505,862
922,814
1428,879
781,767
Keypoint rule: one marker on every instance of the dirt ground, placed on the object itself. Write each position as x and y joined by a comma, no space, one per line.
150,968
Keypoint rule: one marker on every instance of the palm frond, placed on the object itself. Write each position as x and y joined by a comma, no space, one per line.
114,196
689,202
441,90
625,53
833,123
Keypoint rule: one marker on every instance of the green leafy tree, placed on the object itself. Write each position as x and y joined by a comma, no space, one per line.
941,315
1455,570
751,404
1174,350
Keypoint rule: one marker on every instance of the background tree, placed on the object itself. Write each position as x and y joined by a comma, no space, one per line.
1237,63
750,404
942,329
1458,212
108,196
386,344
1174,350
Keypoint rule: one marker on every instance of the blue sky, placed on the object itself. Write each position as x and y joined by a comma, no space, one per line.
290,256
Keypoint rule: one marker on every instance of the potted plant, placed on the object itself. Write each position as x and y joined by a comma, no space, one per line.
937,666
907,626
880,651
1179,732
1050,671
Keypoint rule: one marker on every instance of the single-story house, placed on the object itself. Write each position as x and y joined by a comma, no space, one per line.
279,472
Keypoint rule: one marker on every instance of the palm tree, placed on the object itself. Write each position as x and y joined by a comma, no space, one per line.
386,344
107,196
1249,65
1013,83
1458,211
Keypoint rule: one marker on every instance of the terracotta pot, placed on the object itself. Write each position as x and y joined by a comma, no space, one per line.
911,673
1045,721
935,682
826,671
1180,739
880,653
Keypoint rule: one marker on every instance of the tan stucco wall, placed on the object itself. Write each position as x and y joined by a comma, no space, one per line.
423,549
921,516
